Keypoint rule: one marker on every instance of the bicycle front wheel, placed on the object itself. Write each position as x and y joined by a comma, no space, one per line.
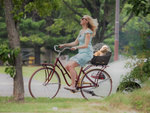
44,83
96,83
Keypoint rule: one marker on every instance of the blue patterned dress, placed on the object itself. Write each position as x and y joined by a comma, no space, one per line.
86,54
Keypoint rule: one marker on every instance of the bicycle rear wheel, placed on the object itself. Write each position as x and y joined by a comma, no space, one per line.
89,89
40,86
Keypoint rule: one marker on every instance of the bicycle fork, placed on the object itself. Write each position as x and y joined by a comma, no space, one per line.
48,76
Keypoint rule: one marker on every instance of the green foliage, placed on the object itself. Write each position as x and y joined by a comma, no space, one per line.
35,40
129,35
51,41
32,40
32,32
71,12
11,71
2,28
141,66
110,42
43,7
65,25
56,27
18,14
139,7
68,21
47,41
3,33
8,55
141,71
139,99
28,27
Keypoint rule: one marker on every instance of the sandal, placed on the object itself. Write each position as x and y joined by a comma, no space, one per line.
69,88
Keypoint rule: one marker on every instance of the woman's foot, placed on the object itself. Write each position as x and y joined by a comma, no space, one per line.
71,88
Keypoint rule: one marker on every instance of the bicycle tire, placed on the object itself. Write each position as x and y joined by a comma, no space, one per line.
38,87
89,90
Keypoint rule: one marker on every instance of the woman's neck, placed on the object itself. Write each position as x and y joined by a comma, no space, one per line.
84,27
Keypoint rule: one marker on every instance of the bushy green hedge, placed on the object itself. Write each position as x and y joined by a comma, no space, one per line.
141,66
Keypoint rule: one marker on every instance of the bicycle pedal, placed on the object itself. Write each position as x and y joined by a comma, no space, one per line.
73,91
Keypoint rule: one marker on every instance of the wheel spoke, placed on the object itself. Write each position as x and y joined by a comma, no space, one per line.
101,87
38,86
104,80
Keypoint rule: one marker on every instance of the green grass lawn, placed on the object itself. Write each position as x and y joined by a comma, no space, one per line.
41,105
29,70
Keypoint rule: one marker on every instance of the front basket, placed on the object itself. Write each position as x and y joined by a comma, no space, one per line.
101,60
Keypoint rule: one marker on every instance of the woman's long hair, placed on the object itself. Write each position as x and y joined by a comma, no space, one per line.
92,24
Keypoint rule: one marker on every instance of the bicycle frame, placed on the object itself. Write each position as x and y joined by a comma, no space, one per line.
64,72
89,81
62,69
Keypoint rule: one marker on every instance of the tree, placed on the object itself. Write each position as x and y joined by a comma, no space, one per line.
72,11
130,34
14,41
14,11
35,42
139,7
33,36
141,66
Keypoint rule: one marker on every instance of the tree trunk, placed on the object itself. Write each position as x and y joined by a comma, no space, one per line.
37,55
14,41
97,37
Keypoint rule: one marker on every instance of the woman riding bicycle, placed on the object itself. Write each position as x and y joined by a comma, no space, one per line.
85,49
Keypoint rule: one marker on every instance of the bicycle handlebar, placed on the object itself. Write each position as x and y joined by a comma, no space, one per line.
59,51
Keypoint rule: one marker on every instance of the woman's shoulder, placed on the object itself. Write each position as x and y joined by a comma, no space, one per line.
88,31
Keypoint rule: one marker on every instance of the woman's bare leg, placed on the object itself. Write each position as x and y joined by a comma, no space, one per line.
71,68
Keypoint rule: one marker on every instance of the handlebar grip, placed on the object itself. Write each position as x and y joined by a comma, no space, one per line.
59,51
55,48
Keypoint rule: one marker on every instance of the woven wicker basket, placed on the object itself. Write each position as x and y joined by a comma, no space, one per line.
101,60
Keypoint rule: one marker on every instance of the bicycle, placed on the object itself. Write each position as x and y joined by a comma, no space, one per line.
92,83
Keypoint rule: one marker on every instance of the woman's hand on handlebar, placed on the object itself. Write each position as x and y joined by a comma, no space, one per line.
73,48
61,45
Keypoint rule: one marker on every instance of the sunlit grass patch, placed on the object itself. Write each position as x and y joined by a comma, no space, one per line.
40,105
2,69
137,100
141,98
